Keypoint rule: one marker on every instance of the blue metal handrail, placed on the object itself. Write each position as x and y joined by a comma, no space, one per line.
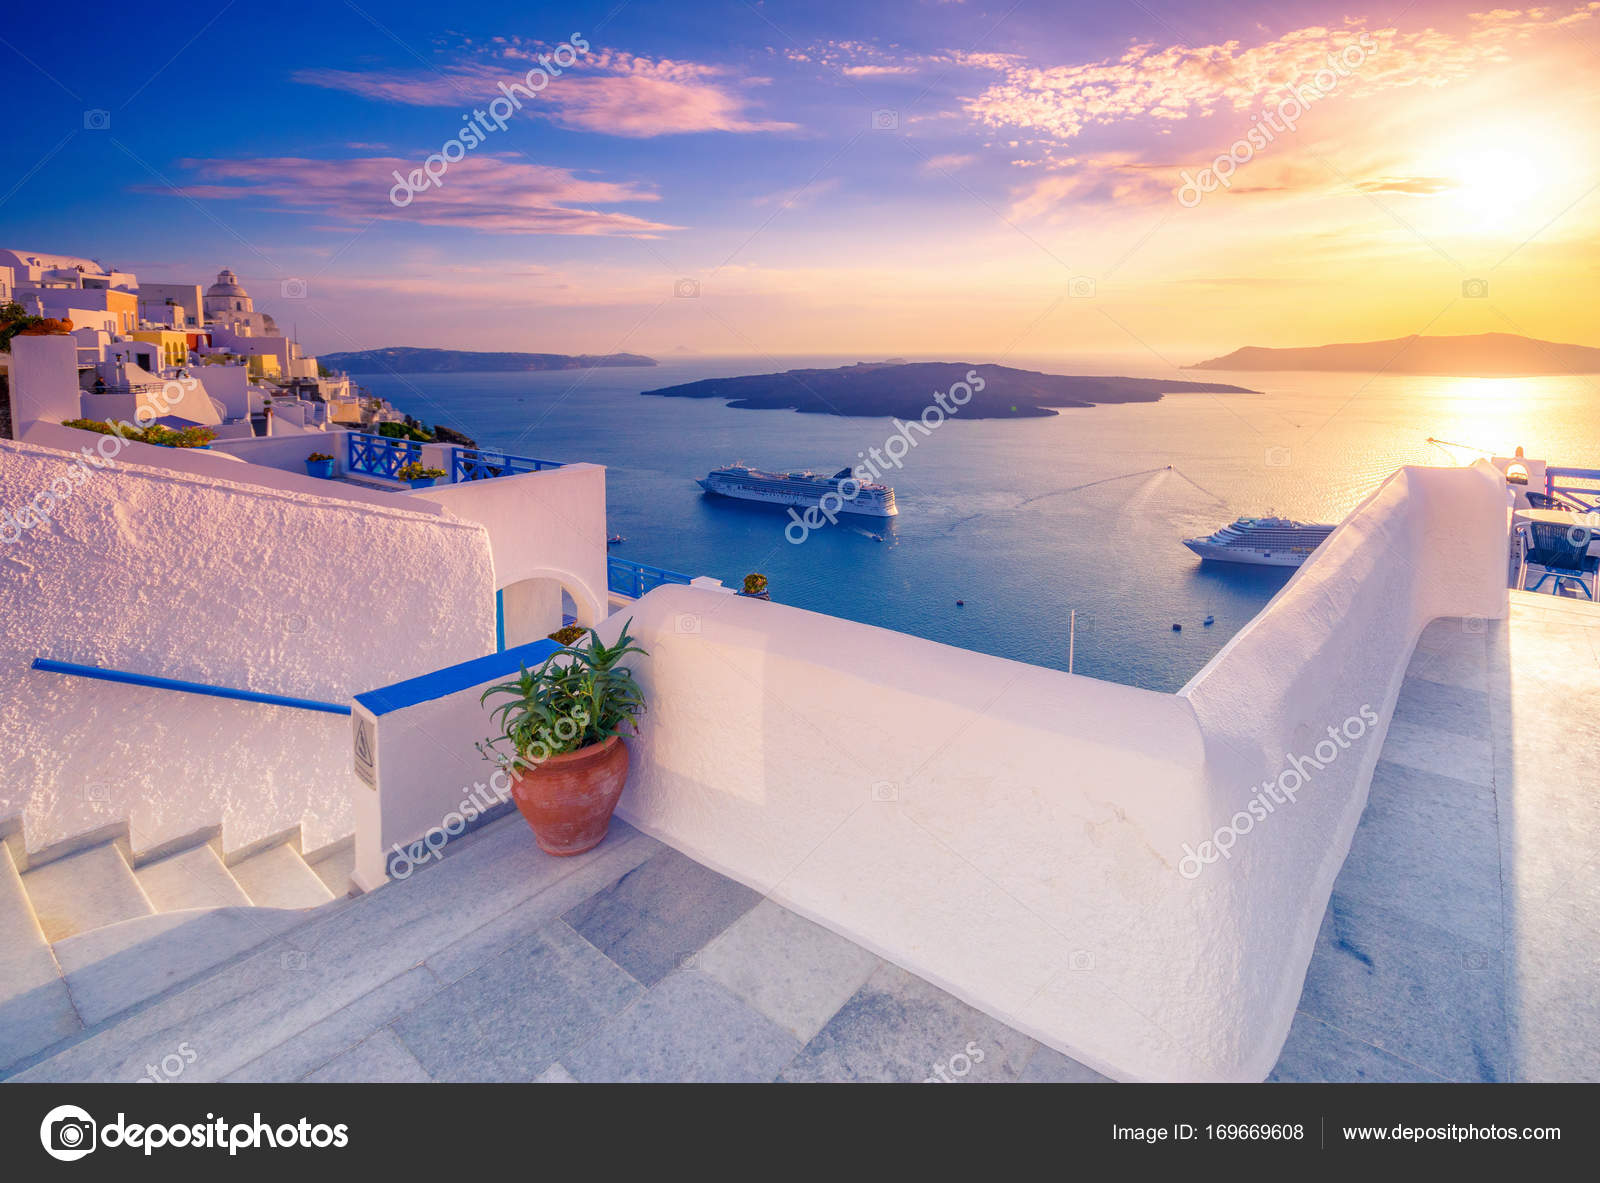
627,578
379,455
131,679
476,464
1586,496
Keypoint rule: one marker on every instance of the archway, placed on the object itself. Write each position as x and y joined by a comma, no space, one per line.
531,609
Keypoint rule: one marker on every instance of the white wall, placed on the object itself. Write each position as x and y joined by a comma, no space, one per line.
542,525
44,380
187,576
229,385
265,454
1016,834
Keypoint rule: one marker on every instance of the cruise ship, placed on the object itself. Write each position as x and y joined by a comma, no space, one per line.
802,489
1267,542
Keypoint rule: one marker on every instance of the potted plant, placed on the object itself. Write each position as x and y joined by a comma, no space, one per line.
561,729
418,476
319,464
755,586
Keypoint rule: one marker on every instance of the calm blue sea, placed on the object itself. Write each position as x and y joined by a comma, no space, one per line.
1023,520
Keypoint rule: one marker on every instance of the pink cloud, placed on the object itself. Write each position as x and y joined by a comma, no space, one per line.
607,91
480,192
1178,82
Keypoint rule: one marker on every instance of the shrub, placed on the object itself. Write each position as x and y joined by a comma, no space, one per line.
755,584
570,635
315,456
166,437
416,471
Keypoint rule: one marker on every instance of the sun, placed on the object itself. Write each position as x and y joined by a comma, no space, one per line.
1497,184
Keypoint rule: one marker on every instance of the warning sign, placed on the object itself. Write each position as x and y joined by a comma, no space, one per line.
366,766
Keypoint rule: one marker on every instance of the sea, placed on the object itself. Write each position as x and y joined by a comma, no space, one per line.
1009,527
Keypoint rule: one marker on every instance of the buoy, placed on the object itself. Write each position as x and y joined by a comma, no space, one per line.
1177,628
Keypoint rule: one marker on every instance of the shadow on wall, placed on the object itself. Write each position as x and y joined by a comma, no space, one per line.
5,408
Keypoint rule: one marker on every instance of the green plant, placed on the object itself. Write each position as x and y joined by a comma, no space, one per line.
166,437
568,635
404,431
580,696
417,471
315,456
754,584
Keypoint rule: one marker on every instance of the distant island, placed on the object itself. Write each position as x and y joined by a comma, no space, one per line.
1485,355
904,390
403,359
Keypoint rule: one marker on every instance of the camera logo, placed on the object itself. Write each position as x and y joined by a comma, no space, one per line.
1081,287
68,1133
1475,289
885,120
686,289
96,119
293,289
1279,457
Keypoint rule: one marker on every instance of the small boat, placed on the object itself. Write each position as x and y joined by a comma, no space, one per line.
615,538
1177,628
1209,621
961,603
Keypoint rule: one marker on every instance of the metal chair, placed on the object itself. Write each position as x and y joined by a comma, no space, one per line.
1563,552
1546,501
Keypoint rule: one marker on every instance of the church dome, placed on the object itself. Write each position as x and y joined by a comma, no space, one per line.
227,285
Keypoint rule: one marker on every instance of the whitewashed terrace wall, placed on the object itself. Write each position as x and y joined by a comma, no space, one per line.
191,576
542,525
1014,834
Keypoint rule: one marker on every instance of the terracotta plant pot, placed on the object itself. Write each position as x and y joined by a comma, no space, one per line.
567,801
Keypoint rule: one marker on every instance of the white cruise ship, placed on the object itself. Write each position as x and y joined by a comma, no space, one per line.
802,489
1267,542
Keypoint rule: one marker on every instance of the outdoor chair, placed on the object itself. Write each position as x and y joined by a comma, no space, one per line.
1563,552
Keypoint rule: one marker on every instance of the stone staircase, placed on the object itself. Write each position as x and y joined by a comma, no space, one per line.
89,929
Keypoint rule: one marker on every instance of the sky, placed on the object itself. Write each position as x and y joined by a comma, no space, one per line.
901,178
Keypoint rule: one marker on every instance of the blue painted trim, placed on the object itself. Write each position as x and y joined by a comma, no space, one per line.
455,678
105,675
475,464
627,578
500,620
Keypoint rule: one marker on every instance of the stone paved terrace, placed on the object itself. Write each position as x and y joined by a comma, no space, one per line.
1462,941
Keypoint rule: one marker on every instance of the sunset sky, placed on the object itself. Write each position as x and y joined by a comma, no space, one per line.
906,177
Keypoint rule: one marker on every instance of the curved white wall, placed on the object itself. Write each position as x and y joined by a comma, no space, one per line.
542,525
1015,834
191,576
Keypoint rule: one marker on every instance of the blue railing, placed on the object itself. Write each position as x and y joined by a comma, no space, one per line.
131,679
1585,496
378,455
475,464
634,579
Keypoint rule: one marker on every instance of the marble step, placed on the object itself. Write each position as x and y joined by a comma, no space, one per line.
193,878
84,891
279,878
334,866
35,1007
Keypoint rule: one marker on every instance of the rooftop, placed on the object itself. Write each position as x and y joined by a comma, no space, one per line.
1460,943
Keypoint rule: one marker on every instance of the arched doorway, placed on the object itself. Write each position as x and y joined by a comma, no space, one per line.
532,609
